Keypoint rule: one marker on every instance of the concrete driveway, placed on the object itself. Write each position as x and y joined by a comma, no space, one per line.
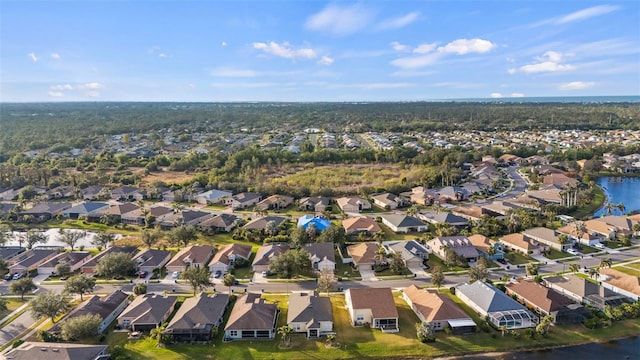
366,273
418,271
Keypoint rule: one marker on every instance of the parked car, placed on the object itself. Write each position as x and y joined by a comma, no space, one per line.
175,274
502,261
143,274
572,252
8,277
17,276
599,246
218,274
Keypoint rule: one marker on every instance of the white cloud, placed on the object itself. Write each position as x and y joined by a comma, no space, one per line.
587,13
32,56
550,61
90,86
162,55
55,56
399,47
415,62
512,71
517,95
340,20
285,50
577,85
55,94
325,60
61,87
466,46
496,95
223,44
399,22
424,48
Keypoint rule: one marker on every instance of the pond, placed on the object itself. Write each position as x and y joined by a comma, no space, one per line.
624,190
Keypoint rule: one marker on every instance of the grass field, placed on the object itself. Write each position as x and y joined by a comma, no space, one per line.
515,258
628,269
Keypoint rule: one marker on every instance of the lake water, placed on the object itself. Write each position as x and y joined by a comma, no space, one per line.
624,190
625,349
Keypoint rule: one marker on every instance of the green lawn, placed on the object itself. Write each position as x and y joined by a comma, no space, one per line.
613,244
516,258
587,210
12,304
555,254
345,270
627,269
434,260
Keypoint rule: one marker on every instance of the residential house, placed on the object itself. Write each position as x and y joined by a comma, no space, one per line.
94,192
452,193
323,256
46,210
310,313
8,252
546,301
150,259
589,238
500,309
140,216
363,254
73,259
212,197
112,214
251,318
197,317
471,213
224,222
321,223
30,350
443,217
107,307
422,196
400,223
353,204
262,223
373,306
30,259
89,267
584,291
521,243
438,309
9,194
621,283
128,193
413,253
622,225
548,237
499,208
6,209
460,244
83,210
561,180
360,224
483,244
195,255
275,202
243,200
147,312
226,257
316,204
266,253
388,201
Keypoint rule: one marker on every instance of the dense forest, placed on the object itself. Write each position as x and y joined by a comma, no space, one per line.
43,125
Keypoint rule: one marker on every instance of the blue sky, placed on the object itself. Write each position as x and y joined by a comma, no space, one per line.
316,51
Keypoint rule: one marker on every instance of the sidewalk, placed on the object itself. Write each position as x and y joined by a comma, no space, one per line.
22,307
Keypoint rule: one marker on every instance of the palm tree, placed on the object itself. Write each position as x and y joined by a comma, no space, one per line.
581,229
636,228
285,331
594,273
380,255
609,207
620,206
605,263
379,236
574,268
228,280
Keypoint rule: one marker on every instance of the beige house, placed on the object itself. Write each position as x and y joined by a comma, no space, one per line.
438,309
521,243
548,237
373,306
365,224
226,257
196,255
353,204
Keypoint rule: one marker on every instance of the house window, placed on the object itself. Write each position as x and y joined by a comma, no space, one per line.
233,333
126,323
359,317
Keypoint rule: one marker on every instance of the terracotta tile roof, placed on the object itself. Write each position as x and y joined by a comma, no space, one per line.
363,253
359,223
541,296
480,242
623,281
518,240
433,305
243,251
378,300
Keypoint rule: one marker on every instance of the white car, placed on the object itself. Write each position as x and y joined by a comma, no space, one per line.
599,246
175,274
572,252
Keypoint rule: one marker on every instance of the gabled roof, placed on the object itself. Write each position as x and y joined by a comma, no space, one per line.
458,243
222,220
309,307
120,209
55,351
313,201
86,208
269,251
246,197
361,222
31,257
7,252
197,254
199,312
519,240
243,251
386,198
363,253
623,281
213,194
149,309
442,217
541,296
102,306
400,220
378,300
321,251
320,222
620,222
434,306
261,223
579,286
542,234
353,201
47,208
487,297
250,312
132,250
409,249
480,242
151,257
70,258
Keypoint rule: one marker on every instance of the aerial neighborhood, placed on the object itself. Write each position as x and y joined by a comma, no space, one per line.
493,245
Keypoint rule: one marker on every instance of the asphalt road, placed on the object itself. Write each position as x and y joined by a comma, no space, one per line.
16,327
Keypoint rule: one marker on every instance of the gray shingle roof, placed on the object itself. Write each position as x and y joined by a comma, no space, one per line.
250,312
198,312
309,308
488,297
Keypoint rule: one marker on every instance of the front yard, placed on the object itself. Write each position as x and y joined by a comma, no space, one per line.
516,258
